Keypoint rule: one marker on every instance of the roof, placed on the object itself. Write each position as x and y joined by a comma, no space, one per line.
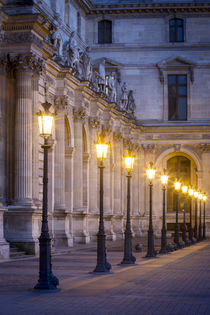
107,2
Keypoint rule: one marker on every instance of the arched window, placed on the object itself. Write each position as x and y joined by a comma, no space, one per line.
178,167
67,11
105,32
176,30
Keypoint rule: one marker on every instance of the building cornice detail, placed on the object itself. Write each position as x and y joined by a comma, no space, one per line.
151,8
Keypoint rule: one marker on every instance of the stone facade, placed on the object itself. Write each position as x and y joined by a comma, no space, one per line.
120,88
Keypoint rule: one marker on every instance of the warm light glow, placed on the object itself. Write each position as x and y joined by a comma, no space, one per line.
129,162
151,171
45,120
190,192
101,149
184,189
177,185
45,125
204,197
200,196
164,178
196,194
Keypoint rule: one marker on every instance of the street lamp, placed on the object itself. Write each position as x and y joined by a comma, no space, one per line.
184,236
177,187
200,236
47,281
191,193
196,216
128,257
164,181
151,252
102,263
204,216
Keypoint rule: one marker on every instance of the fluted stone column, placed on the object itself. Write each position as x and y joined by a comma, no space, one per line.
23,222
23,137
4,246
61,216
36,146
79,211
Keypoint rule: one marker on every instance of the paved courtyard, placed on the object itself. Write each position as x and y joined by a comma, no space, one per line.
177,283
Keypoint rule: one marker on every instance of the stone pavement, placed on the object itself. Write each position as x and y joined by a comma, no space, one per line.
177,283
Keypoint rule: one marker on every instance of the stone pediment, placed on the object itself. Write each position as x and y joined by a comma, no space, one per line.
175,63
108,63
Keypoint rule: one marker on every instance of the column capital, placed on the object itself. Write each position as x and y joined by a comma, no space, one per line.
62,104
94,121
28,63
69,151
80,113
3,62
149,147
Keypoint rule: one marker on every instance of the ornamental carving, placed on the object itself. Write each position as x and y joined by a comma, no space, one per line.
61,103
80,113
149,147
28,62
205,147
94,122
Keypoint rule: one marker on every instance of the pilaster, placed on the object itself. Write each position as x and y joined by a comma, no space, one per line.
61,216
80,224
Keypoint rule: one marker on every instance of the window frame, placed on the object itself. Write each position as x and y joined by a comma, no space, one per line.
177,95
176,26
102,42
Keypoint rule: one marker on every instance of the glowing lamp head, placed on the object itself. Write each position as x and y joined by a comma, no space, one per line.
151,171
177,185
184,189
190,192
164,177
45,120
196,194
101,148
204,197
200,196
129,161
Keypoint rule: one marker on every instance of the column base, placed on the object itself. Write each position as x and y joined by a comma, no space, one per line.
109,227
80,233
62,235
22,228
4,246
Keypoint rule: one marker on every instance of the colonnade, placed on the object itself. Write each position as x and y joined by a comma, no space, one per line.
73,174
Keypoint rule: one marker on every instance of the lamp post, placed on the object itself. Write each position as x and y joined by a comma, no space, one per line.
191,193
204,216
102,263
151,252
196,216
47,281
200,236
184,232
128,257
177,186
164,181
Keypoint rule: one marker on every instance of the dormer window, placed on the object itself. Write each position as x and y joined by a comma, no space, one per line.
176,30
105,32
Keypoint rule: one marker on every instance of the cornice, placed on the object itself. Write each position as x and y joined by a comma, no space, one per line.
151,8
